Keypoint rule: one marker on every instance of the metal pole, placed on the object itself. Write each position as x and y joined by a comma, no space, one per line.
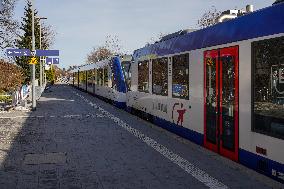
33,50
40,58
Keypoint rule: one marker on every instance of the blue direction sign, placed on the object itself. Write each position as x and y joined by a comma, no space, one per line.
49,61
52,60
55,61
47,52
18,52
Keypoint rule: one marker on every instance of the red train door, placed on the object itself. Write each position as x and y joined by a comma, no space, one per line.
221,101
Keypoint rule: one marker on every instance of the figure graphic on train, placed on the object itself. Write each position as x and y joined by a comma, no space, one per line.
178,108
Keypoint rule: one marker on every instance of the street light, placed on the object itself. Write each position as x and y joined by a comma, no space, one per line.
40,47
33,51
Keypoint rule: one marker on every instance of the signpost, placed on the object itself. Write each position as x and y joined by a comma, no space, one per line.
52,61
48,61
47,52
18,52
33,60
27,52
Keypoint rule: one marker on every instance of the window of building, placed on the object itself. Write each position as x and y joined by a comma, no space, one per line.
143,76
180,77
160,76
268,87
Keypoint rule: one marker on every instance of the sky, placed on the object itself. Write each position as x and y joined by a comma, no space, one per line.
83,24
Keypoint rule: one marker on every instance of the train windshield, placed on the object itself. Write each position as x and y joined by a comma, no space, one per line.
127,73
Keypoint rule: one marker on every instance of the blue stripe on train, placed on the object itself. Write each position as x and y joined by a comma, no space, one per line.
248,159
262,165
179,130
121,105
268,21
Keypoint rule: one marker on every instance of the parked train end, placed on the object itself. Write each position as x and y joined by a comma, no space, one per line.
106,79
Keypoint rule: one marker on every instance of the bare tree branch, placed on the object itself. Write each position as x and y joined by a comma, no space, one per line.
8,26
209,18
111,47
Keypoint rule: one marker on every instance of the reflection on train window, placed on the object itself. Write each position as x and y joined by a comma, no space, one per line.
160,76
75,78
143,76
113,81
94,76
180,76
82,78
127,74
106,77
90,78
211,100
100,77
268,87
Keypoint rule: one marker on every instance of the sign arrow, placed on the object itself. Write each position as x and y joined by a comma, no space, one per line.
18,52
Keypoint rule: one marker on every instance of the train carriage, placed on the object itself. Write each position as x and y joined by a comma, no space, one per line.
221,87
107,79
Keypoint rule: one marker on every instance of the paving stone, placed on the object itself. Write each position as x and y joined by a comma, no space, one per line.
47,158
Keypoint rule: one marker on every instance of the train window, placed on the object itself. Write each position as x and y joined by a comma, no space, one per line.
90,78
143,76
83,78
106,77
181,76
160,76
76,78
268,86
100,77
127,73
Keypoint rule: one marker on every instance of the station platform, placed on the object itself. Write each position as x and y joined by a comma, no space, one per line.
74,140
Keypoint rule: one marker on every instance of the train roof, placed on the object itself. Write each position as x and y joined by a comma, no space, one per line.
101,64
264,22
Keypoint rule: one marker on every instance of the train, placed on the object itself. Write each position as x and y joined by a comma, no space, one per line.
222,87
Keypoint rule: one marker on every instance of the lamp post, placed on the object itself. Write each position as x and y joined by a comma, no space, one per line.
33,51
41,70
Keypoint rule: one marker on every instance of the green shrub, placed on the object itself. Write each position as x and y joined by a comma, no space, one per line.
5,98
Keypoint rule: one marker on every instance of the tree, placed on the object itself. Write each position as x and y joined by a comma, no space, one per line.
48,36
113,44
155,39
111,47
97,54
11,76
25,40
50,74
8,26
209,18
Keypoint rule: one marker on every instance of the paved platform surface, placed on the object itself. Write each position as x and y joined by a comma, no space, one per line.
74,140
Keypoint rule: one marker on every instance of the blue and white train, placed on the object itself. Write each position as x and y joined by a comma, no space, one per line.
108,79
221,87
